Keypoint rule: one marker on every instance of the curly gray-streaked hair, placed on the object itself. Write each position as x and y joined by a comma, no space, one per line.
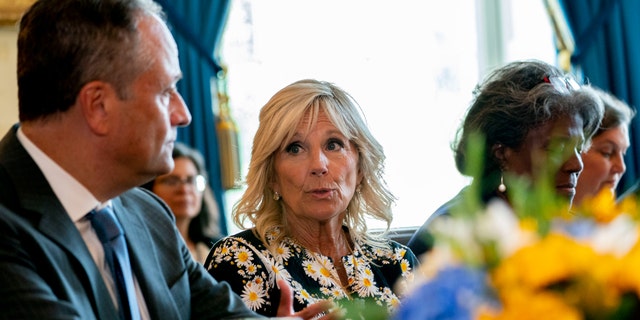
515,99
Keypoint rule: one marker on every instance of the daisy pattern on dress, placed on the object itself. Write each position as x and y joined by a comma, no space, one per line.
253,295
283,253
365,286
334,293
252,267
388,297
243,257
399,253
310,268
278,270
319,268
222,254
379,252
406,269
304,296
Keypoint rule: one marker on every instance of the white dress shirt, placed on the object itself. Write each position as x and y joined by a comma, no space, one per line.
78,201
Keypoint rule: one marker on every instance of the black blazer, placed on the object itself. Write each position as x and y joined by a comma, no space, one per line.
46,270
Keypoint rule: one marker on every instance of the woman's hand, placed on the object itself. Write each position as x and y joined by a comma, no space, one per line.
323,310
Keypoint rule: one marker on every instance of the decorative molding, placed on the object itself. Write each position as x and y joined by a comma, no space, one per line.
12,10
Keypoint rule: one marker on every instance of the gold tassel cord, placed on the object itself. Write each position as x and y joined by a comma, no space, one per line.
564,39
227,131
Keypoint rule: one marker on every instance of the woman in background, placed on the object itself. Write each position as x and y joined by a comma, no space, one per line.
316,173
184,190
604,160
526,111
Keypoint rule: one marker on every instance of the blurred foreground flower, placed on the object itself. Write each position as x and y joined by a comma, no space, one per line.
504,263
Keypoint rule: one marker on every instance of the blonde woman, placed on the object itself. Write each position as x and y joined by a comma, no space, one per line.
316,173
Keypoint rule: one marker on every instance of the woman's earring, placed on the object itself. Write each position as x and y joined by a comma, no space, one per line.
359,189
499,153
276,196
502,187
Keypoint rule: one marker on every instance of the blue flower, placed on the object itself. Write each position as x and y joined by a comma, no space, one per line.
453,294
578,228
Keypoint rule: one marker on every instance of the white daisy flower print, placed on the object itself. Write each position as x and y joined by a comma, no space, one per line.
366,286
243,257
253,295
283,252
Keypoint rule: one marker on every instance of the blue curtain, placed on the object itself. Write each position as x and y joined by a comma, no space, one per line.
197,26
608,56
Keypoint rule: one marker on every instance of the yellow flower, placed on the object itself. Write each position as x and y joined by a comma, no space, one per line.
528,224
629,206
627,277
533,306
554,258
604,208
557,268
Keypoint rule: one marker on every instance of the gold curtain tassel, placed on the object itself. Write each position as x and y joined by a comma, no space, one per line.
228,141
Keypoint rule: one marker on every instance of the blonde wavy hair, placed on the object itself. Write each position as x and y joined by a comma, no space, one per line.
279,119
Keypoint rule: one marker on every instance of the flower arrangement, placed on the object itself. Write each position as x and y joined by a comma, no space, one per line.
536,258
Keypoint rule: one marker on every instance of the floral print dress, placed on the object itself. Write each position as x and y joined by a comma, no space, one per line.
244,262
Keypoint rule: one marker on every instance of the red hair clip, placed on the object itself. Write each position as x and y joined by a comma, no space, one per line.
562,84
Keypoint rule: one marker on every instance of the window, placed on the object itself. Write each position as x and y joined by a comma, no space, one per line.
410,64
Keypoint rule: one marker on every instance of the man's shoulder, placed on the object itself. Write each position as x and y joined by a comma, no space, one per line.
141,199
146,206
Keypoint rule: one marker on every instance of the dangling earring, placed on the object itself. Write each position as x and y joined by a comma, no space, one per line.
276,196
499,154
358,189
502,187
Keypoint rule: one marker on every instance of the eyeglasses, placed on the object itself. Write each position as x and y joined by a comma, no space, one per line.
562,84
198,182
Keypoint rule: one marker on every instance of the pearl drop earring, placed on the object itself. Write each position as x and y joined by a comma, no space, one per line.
502,187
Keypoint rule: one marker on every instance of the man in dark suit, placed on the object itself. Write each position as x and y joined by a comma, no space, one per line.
99,113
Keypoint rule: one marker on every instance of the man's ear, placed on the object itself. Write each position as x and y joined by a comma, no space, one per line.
93,99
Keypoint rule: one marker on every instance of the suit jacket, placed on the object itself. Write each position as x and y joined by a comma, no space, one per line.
46,270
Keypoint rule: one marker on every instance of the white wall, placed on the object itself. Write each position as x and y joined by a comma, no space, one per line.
8,82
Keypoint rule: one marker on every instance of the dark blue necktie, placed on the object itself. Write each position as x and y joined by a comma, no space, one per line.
115,252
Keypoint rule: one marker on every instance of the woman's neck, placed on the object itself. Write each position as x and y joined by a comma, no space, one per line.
333,241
